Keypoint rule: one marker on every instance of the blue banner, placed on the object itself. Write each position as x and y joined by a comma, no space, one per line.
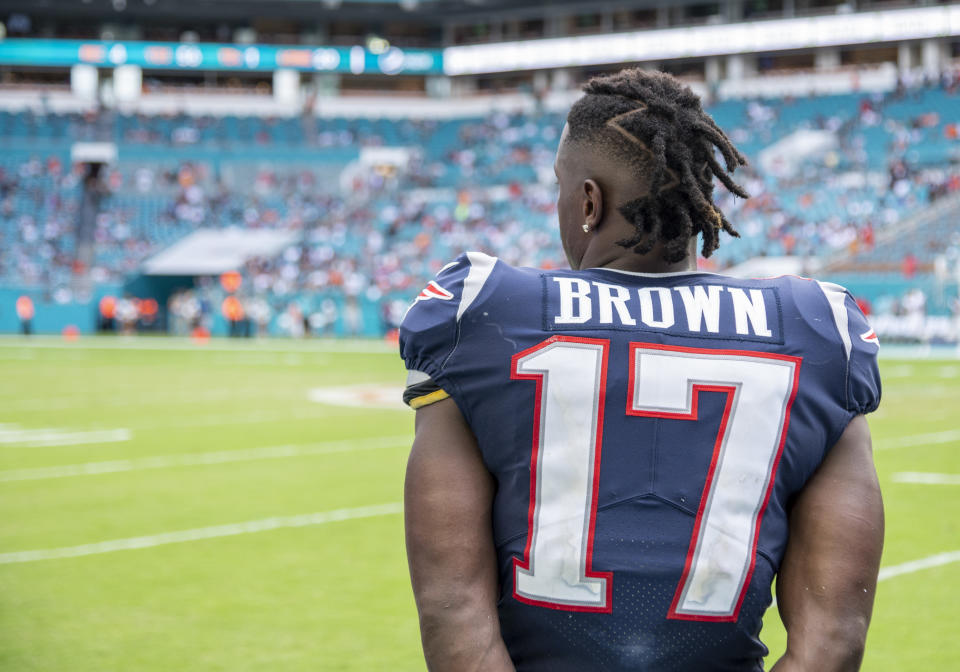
206,56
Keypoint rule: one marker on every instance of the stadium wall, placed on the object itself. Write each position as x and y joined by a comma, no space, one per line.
51,316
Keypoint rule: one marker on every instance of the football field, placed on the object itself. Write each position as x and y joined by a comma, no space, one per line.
237,506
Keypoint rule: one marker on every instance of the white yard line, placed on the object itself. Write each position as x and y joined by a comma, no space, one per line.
229,419
14,435
889,352
903,371
214,345
315,412
195,459
919,352
133,398
912,566
926,478
197,534
365,395
932,438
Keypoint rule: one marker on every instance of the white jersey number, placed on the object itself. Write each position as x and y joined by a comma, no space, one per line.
664,382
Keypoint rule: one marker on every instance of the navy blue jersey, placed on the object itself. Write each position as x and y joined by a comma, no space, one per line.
647,434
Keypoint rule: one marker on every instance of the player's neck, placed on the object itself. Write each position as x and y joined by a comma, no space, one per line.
624,259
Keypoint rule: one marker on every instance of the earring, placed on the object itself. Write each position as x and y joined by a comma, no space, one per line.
586,228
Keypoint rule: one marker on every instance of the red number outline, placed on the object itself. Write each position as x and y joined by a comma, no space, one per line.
729,390
531,510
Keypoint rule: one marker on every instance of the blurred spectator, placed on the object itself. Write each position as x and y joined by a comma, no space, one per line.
908,266
25,314
108,312
127,314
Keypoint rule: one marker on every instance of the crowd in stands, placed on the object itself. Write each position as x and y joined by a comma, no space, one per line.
365,247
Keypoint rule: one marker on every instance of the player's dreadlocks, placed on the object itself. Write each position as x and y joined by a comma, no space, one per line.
658,125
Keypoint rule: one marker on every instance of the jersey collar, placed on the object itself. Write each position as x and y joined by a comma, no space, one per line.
654,275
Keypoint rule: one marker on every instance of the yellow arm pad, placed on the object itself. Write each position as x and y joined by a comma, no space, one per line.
427,399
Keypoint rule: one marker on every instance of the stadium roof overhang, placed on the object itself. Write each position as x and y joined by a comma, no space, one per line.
833,30
216,251
430,12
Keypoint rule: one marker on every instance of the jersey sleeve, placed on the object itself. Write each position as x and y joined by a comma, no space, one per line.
861,346
430,330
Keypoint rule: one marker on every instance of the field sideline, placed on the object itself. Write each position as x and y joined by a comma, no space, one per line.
236,506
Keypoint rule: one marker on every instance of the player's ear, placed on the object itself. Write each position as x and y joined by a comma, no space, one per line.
592,204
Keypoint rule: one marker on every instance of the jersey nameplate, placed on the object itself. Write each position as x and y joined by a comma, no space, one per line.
699,311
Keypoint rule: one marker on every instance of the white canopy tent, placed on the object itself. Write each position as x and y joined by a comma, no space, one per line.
216,251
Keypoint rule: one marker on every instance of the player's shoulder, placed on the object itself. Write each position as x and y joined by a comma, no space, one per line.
823,318
461,286
450,293
832,311
819,308
823,298
797,297
447,311
809,298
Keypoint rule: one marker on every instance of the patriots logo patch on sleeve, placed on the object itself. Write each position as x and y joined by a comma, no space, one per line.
433,291
870,336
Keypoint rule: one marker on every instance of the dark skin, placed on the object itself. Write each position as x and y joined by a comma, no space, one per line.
448,499
592,184
827,580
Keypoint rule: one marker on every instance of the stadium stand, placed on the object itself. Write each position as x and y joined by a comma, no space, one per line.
371,234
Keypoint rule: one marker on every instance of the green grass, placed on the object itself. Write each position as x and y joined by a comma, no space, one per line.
325,597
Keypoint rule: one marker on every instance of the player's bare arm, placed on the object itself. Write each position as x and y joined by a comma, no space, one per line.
448,498
828,577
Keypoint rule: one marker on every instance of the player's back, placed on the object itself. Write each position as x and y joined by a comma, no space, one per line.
646,433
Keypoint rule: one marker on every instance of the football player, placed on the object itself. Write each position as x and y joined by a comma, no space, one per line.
613,463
